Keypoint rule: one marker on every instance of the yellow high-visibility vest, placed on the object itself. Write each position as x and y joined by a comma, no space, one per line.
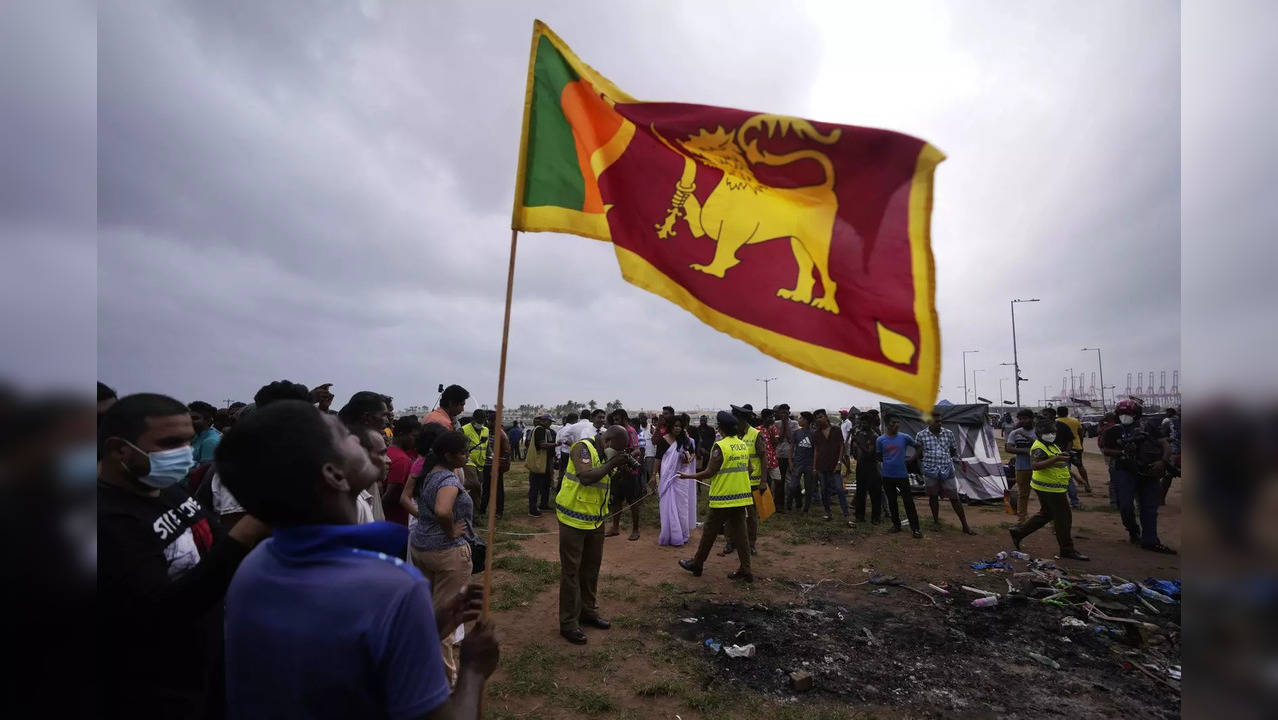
478,445
582,506
1055,478
730,487
756,462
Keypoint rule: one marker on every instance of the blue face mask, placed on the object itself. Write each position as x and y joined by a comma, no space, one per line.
167,466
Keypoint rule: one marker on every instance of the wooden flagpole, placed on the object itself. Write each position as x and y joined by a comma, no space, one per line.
497,429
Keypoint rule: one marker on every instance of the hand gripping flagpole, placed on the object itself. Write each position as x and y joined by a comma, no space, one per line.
497,430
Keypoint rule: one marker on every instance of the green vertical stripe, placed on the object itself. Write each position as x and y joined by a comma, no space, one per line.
552,175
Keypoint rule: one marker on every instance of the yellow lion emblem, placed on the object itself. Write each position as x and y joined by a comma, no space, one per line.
742,211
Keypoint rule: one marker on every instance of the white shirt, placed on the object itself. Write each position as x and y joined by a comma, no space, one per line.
224,503
578,431
645,442
364,507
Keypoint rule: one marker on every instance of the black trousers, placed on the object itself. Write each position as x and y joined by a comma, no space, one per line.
1053,507
868,482
486,483
562,462
538,491
731,522
901,486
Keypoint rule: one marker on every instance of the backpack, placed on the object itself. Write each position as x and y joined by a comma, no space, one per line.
1141,450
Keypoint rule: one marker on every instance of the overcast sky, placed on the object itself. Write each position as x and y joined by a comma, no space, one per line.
322,191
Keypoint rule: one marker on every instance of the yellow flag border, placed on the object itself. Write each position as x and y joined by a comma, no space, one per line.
919,390
550,218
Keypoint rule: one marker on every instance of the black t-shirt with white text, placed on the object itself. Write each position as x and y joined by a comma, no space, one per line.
163,568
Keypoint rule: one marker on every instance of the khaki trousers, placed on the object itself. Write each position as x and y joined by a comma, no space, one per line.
580,555
1023,494
448,572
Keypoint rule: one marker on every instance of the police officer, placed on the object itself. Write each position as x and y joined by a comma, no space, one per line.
744,416
581,506
730,497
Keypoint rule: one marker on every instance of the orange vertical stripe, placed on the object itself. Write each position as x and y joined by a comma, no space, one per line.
593,122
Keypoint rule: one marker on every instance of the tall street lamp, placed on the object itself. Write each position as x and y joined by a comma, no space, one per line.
1101,367
1016,362
974,391
965,352
765,382
1000,389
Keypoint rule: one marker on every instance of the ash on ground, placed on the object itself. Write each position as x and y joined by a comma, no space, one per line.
897,650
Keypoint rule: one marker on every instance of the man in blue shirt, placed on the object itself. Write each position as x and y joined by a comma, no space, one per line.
890,447
324,620
206,436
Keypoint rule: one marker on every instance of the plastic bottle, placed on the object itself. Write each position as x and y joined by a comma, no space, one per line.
1020,555
1002,555
987,601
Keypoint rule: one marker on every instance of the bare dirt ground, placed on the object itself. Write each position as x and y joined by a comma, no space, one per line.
809,608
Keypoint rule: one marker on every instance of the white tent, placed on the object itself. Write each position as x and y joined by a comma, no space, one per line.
983,479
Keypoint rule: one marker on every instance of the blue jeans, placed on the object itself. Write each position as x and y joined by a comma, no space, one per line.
1073,494
1145,492
832,482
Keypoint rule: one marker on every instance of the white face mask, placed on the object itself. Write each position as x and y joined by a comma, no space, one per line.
1048,437
1126,419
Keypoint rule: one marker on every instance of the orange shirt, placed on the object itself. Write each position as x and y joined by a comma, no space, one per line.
439,417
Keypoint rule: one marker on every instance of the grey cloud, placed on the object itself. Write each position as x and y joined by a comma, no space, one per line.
322,193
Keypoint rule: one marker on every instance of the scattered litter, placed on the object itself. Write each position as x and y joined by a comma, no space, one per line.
1020,555
690,620
978,591
877,579
1071,621
985,602
1122,589
713,644
869,636
991,565
879,591
1170,588
740,651
1044,660
1173,672
1155,595
939,589
801,680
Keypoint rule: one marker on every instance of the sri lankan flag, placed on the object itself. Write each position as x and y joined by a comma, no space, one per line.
808,240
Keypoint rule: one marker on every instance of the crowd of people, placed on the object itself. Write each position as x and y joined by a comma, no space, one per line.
281,551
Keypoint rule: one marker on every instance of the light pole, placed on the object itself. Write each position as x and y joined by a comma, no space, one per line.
765,382
1016,362
1071,381
974,391
1101,367
1000,389
965,352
